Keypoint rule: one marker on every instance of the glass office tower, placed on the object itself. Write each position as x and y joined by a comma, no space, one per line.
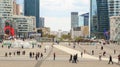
99,19
114,7
31,8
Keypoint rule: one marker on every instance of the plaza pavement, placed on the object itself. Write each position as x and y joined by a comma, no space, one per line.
62,57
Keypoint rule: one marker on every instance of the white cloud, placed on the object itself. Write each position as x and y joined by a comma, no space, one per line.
63,7
63,4
56,23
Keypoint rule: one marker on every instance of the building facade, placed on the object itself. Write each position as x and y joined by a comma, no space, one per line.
6,8
16,8
115,28
42,21
114,7
84,19
99,18
74,19
31,8
24,25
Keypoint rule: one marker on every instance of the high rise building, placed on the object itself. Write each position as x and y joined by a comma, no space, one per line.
16,8
114,7
31,8
115,28
99,18
6,11
42,21
6,8
74,19
84,19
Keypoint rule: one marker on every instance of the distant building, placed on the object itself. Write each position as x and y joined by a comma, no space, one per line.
42,21
84,19
74,19
6,8
44,31
31,8
99,18
82,31
115,28
76,32
16,8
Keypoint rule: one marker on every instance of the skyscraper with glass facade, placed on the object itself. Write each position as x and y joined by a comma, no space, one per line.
31,8
99,19
114,7
74,19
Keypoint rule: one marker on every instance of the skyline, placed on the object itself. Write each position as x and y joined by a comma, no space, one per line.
57,13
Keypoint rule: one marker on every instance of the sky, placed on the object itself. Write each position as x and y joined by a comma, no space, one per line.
57,13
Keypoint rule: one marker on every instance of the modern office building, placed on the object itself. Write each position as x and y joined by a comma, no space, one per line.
6,8
99,18
74,19
42,22
16,8
31,8
115,28
114,7
84,19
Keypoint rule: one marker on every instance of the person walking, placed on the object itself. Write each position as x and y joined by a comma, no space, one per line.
75,58
81,54
100,56
41,55
110,59
70,58
54,56
114,51
92,52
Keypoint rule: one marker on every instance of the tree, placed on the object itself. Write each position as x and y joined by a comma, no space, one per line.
66,36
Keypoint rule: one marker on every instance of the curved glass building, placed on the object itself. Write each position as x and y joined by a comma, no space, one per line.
99,18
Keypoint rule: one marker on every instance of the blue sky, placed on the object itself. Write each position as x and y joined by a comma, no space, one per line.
57,12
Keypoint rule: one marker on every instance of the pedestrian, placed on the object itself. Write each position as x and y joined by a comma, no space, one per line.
38,54
30,54
101,47
36,57
2,46
41,55
92,52
104,53
75,59
5,54
9,53
100,56
81,54
114,51
70,58
22,47
54,56
110,59
84,51
33,54
23,53
119,59
14,53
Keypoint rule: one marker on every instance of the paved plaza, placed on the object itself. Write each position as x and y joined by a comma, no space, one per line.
62,51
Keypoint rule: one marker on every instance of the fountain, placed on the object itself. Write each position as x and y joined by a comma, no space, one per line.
16,43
